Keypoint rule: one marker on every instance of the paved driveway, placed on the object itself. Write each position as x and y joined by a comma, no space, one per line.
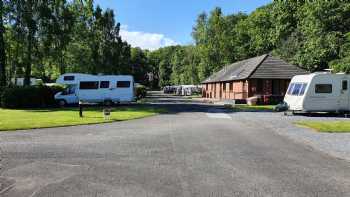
195,150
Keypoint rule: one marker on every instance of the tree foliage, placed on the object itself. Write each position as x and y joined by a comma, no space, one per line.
49,37
311,34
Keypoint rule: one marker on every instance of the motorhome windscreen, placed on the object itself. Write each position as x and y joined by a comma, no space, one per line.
70,89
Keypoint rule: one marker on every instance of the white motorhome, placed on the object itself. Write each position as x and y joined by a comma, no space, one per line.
319,92
95,88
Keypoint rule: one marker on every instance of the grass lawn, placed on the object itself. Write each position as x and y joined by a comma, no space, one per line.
327,126
240,107
44,118
193,96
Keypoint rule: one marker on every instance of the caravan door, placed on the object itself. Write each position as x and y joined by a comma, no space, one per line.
124,90
343,101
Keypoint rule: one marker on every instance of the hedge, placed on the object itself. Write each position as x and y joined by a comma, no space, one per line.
140,92
29,97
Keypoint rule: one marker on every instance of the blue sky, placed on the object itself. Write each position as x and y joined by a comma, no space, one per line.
156,23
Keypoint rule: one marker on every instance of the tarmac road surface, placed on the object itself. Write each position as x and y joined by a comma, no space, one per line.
194,150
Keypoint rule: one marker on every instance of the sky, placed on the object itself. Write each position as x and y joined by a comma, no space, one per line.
151,24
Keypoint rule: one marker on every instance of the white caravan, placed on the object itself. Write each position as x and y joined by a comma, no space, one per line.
319,92
95,88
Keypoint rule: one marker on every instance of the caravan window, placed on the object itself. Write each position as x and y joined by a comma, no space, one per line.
104,84
302,90
289,91
296,89
68,78
344,85
123,84
89,85
323,88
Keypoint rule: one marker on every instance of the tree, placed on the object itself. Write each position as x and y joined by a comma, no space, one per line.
139,66
29,7
343,63
2,47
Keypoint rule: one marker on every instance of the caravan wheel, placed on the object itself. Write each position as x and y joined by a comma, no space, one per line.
107,103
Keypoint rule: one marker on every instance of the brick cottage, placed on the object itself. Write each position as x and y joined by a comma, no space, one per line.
264,76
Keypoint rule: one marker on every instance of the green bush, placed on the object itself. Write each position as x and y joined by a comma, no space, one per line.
140,92
1,90
29,97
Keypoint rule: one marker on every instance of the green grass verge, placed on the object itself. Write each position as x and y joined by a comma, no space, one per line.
327,126
254,108
45,118
193,96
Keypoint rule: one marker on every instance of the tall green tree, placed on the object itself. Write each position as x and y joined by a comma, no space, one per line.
28,14
2,46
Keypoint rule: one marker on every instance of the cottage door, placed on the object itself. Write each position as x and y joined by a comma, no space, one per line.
344,95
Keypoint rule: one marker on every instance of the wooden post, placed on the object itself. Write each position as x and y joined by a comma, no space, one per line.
80,109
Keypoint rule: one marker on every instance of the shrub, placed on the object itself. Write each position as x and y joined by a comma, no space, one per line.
140,92
1,90
29,97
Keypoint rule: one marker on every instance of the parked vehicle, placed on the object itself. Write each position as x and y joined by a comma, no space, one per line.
319,92
106,89
20,81
183,90
170,89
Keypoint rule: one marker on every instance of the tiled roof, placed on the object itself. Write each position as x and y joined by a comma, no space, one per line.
261,67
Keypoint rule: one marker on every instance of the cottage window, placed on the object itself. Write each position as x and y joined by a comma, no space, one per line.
260,86
88,85
323,88
224,86
276,87
231,86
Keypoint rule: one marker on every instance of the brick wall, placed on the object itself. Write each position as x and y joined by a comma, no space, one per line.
226,90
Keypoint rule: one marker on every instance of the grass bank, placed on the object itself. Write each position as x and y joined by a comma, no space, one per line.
45,118
327,126
254,108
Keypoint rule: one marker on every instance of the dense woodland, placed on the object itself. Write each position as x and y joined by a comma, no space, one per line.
46,38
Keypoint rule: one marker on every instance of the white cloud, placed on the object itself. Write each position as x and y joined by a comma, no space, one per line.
144,40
